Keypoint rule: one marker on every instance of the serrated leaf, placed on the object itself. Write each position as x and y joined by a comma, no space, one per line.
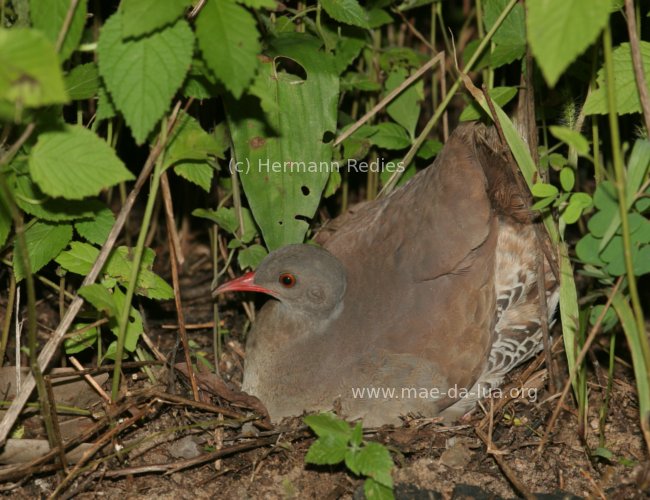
80,341
627,97
251,256
543,190
375,491
327,424
571,137
375,461
140,17
100,298
225,218
149,284
44,242
327,450
346,11
229,41
34,202
79,259
49,16
390,136
567,178
143,75
260,4
558,32
82,82
96,230
30,75
74,163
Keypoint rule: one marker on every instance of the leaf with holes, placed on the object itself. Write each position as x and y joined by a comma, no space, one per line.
142,75
283,158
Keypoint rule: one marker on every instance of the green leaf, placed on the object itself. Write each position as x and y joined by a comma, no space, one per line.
543,203
567,178
34,202
609,320
260,4
143,75
510,39
429,149
96,230
82,82
140,17
327,424
627,97
375,461
281,157
572,213
225,218
100,298
543,190
79,259
571,137
251,256
134,325
559,32
390,136
80,341
375,491
74,163
637,166
405,108
499,95
149,284
327,450
346,11
49,16
587,250
30,75
44,242
229,41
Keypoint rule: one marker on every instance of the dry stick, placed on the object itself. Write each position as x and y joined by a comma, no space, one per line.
49,350
93,383
541,274
505,468
381,104
581,356
66,24
637,64
98,445
174,239
181,316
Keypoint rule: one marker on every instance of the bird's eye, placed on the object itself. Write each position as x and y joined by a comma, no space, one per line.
287,280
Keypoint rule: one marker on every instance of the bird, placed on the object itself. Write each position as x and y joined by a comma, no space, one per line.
417,303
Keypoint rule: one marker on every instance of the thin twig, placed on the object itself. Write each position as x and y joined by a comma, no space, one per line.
386,100
637,64
66,24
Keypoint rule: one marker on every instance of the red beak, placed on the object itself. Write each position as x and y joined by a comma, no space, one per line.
243,284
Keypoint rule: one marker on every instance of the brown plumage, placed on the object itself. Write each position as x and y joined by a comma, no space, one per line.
432,288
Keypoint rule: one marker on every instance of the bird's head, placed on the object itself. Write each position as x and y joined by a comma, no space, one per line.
305,278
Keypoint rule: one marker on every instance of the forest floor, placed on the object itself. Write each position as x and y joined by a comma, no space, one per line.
432,461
